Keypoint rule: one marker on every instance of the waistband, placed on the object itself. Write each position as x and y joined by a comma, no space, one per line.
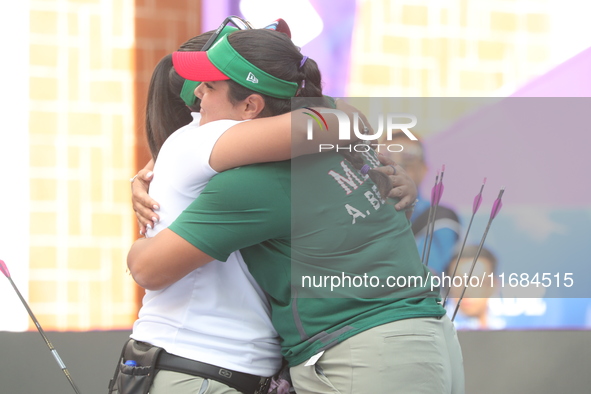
246,383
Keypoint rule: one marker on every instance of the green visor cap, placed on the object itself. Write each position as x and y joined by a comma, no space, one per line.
231,63
188,90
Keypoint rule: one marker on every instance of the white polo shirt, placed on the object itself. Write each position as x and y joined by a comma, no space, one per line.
217,314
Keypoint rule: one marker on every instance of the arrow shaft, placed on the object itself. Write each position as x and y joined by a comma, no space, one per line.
40,329
472,268
459,257
432,233
430,217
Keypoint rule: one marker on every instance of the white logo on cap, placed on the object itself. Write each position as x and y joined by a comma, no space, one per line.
252,78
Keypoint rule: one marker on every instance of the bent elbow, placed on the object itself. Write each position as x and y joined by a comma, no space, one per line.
142,275
148,282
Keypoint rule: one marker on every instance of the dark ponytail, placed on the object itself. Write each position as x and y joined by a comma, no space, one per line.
166,112
311,80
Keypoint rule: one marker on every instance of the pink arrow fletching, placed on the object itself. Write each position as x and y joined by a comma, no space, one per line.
434,189
439,187
497,205
4,269
439,193
477,202
478,198
496,208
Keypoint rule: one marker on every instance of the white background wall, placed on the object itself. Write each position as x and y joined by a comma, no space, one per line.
14,161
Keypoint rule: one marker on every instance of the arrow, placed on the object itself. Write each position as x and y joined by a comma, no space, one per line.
475,206
6,273
435,201
495,210
433,196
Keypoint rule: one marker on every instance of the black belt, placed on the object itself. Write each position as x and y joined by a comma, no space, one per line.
246,383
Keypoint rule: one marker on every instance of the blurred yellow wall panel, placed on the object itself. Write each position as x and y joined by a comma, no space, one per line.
537,23
396,45
106,91
415,15
73,23
43,21
75,202
455,48
74,74
376,74
43,291
45,256
43,55
81,126
43,223
43,89
122,59
44,189
106,225
503,21
43,122
84,258
87,123
42,155
491,50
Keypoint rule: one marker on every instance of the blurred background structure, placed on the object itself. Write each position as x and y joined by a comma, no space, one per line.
75,76
74,98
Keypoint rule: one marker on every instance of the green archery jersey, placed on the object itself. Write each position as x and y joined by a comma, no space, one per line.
334,259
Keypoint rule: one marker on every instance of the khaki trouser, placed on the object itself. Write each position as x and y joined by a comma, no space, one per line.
412,356
168,382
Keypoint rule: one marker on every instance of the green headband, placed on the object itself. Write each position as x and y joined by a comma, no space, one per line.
188,90
226,59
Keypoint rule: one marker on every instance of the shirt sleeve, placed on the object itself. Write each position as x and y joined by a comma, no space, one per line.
238,208
192,152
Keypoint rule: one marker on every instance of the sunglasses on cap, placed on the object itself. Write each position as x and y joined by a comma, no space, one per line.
239,23
279,25
188,89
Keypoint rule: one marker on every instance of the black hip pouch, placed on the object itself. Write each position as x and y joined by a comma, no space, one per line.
136,368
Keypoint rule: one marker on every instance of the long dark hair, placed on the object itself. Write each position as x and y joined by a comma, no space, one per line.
166,112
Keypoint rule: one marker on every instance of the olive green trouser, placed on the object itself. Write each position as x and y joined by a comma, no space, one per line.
415,356
168,382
